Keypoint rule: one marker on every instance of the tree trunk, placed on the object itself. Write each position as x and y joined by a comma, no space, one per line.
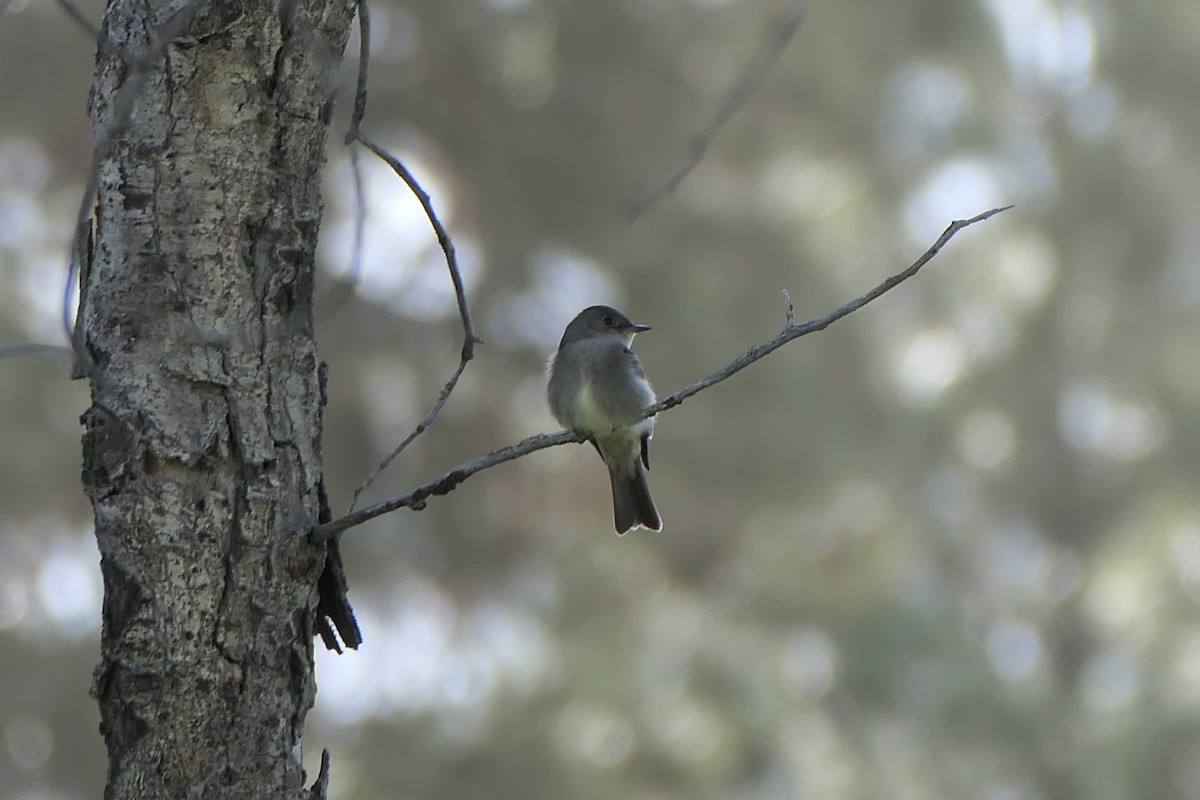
202,445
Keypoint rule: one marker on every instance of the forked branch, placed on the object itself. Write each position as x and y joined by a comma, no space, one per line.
446,483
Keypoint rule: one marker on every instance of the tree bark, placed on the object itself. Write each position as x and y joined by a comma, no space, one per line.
202,444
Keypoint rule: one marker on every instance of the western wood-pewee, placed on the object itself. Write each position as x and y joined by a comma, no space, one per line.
597,388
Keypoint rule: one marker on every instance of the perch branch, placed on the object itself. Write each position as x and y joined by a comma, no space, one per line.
444,484
794,330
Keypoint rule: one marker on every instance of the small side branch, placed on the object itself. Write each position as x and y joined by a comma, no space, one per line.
76,14
35,351
320,788
424,424
744,89
470,338
364,65
337,297
447,482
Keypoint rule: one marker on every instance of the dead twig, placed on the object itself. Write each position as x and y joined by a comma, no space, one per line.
742,91
470,338
76,14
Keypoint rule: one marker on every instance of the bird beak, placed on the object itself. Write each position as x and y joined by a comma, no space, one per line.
638,327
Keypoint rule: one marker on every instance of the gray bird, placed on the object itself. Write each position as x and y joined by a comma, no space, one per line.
597,388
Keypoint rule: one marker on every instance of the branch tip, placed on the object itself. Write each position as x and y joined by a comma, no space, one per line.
962,223
789,310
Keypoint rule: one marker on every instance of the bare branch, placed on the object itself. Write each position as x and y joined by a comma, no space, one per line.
75,13
35,351
417,431
793,330
360,216
336,297
742,91
360,108
364,62
446,483
470,339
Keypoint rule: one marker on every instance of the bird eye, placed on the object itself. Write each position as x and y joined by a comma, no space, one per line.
608,321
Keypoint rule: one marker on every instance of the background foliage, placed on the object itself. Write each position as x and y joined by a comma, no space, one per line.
948,548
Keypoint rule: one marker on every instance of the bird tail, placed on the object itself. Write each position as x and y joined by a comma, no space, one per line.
632,505
333,607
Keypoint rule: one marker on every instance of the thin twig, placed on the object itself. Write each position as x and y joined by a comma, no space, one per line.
336,298
794,330
75,13
360,108
443,395
360,216
446,483
364,62
470,339
745,87
333,300
35,351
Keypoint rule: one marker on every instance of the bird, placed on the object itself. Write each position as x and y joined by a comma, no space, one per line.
598,389
333,612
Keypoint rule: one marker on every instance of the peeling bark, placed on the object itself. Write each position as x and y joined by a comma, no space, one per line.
202,445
